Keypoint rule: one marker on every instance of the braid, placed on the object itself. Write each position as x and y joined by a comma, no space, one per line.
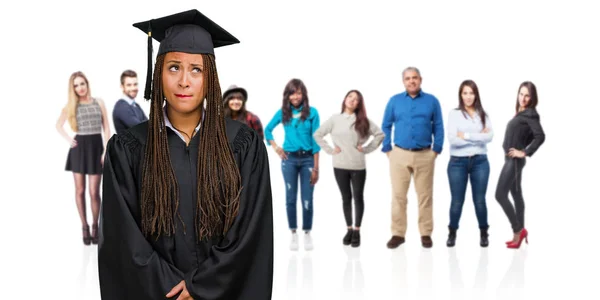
159,186
218,176
219,179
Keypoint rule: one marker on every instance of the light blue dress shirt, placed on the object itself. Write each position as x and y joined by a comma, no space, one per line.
475,141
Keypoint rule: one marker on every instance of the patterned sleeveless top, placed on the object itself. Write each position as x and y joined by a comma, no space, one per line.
89,118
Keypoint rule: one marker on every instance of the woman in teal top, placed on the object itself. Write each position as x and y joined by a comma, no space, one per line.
299,155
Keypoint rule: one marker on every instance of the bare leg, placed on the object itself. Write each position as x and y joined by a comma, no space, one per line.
95,201
95,196
80,197
80,200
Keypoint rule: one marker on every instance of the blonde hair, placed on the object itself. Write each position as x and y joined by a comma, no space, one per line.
74,99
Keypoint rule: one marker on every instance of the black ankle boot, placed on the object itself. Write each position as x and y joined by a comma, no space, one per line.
355,238
451,238
348,237
484,238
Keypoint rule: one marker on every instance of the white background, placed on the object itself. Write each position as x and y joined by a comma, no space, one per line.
332,47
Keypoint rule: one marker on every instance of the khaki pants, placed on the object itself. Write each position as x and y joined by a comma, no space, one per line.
404,164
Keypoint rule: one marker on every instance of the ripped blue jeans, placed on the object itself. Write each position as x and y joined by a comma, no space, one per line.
298,167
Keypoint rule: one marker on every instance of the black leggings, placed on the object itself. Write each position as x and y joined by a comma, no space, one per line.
510,181
352,182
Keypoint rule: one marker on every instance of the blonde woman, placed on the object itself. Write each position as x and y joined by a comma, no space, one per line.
88,119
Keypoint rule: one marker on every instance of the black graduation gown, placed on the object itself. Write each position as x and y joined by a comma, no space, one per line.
239,266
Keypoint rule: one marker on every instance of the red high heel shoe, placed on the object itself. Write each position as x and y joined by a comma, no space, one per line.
517,245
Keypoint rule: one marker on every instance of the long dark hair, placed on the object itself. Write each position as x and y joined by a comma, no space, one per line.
219,179
361,125
533,96
242,113
476,103
290,88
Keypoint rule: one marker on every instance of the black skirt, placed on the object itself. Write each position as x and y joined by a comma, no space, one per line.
87,155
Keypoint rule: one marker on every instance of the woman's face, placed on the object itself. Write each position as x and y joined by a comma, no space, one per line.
351,101
524,96
296,98
235,104
80,86
468,96
183,82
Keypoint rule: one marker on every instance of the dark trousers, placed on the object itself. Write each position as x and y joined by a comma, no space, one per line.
510,181
352,183
460,171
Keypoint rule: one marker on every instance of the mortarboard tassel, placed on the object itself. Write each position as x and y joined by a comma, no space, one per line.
148,90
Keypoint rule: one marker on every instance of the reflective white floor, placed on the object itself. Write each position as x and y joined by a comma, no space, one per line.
408,272
49,258
343,46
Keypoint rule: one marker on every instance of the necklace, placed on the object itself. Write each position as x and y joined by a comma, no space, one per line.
183,132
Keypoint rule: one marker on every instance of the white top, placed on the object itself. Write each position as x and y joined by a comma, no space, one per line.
341,128
474,142
168,124
128,99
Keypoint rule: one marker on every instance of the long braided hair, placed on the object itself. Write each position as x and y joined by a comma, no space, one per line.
218,176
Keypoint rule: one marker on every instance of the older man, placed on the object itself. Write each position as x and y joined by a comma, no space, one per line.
417,141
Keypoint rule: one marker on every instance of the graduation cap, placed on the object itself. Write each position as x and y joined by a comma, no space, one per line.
189,31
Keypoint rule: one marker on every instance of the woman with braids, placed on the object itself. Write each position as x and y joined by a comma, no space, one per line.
187,211
234,103
88,119
299,155
350,129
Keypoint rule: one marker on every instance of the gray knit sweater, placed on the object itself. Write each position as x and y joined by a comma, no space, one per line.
341,128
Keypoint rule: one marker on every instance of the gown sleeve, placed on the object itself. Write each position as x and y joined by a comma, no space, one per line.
128,266
241,266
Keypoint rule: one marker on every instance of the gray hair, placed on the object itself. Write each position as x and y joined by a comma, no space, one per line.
411,69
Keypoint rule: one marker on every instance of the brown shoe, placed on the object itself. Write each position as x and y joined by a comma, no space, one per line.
426,241
395,241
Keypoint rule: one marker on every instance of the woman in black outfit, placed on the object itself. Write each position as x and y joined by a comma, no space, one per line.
187,210
523,137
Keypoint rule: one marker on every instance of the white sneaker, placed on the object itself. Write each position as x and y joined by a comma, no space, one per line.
294,243
308,243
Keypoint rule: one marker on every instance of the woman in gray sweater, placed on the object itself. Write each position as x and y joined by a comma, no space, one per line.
349,130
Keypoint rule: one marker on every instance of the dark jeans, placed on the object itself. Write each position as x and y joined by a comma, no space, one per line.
510,181
294,168
352,182
460,170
